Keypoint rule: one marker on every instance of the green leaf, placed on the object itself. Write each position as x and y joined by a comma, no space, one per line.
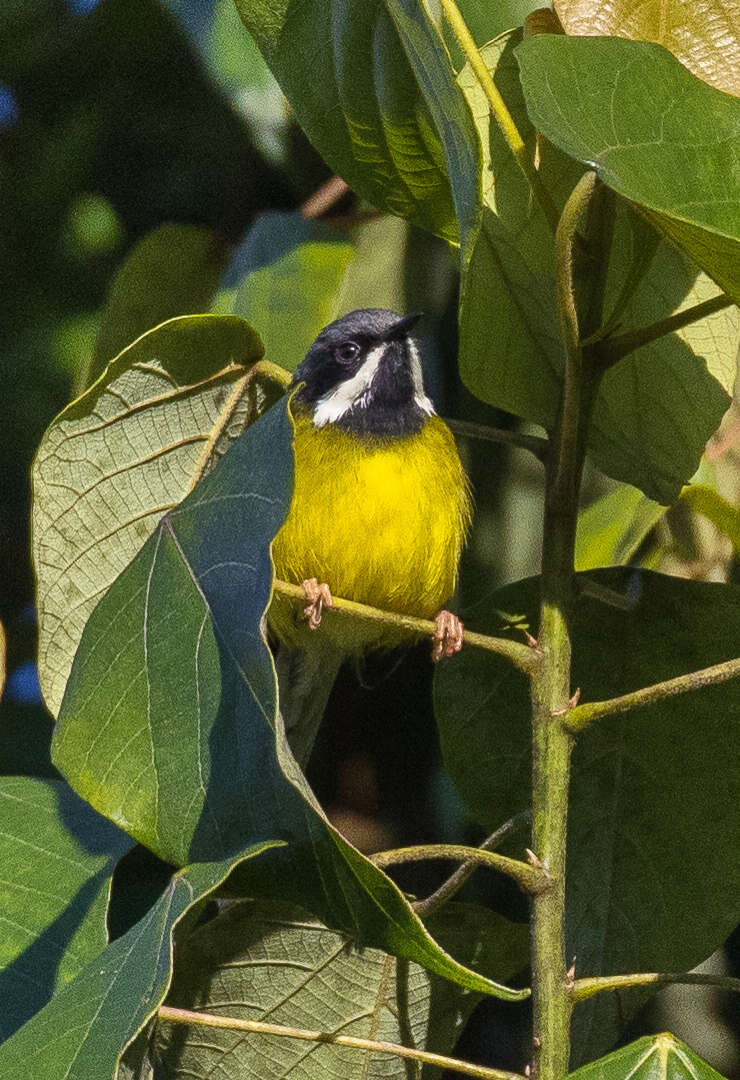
292,298
277,963
171,271
705,500
169,721
510,352
57,857
706,39
347,78
117,458
642,824
612,528
654,1057
83,1030
653,132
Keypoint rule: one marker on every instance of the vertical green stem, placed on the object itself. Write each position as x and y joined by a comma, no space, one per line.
551,682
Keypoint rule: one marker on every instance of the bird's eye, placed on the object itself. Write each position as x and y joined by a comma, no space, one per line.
347,351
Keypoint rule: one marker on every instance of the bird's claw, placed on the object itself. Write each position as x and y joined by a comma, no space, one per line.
448,637
318,596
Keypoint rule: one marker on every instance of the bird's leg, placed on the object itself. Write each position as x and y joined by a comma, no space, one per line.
318,597
448,637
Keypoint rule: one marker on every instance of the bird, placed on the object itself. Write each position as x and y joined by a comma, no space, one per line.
380,512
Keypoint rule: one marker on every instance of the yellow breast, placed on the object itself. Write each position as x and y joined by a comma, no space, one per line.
380,523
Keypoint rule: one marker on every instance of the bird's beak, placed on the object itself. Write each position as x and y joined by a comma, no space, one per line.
404,324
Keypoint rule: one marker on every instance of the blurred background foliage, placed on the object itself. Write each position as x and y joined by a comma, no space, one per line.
149,167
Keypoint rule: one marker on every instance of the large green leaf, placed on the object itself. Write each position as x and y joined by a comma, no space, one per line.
510,352
57,857
171,271
704,37
82,1031
275,962
653,132
654,1057
119,456
169,724
643,824
346,75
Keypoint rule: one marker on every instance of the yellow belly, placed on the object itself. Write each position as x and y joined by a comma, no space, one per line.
380,524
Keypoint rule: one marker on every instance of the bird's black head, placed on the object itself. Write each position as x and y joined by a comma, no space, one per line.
363,374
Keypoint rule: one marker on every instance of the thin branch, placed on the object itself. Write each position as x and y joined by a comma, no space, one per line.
612,349
523,657
582,716
531,879
586,988
455,881
534,443
500,110
229,1023
325,196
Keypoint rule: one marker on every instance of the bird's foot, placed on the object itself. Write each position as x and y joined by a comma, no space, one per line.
318,596
448,637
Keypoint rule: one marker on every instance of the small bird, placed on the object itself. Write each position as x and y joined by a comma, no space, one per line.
380,512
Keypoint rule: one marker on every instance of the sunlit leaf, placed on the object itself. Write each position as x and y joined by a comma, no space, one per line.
654,1057
654,133
277,963
117,458
612,528
57,857
642,824
510,353
704,37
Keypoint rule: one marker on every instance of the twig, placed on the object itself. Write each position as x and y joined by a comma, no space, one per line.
534,443
582,716
500,110
330,192
587,988
529,878
609,350
229,1023
455,881
523,657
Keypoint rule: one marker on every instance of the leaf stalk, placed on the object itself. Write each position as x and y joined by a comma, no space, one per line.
531,879
583,989
500,110
582,716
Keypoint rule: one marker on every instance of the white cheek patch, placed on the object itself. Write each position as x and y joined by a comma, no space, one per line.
332,406
417,379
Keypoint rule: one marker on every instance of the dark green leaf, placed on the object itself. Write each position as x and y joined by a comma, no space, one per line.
83,1030
652,790
275,962
57,858
346,75
655,1057
119,456
653,132
168,723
